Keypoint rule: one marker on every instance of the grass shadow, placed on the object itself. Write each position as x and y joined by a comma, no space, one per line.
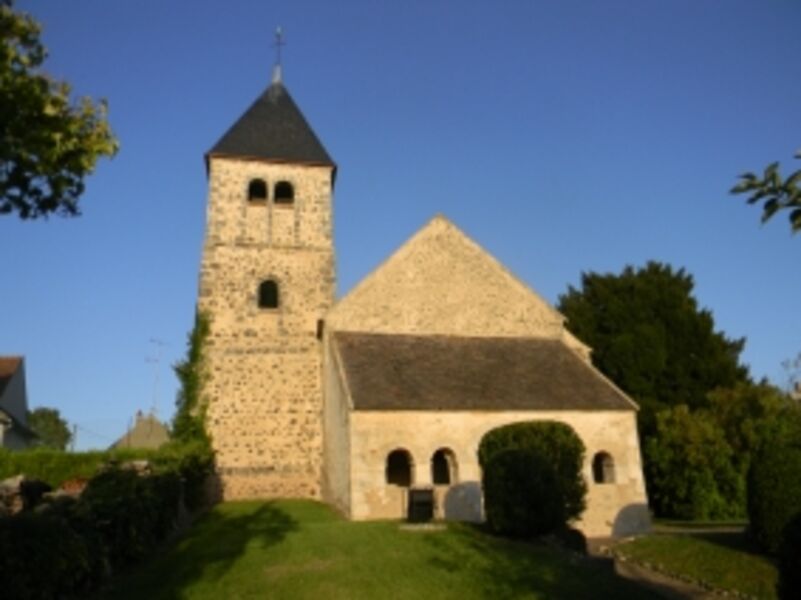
192,559
731,535
733,540
523,569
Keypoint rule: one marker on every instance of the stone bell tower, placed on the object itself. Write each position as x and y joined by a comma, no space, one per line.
266,282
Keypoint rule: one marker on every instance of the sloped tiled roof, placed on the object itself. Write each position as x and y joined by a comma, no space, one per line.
147,432
8,366
409,372
273,129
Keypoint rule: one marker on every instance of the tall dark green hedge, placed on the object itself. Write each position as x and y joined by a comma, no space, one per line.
43,558
65,548
774,491
130,512
532,477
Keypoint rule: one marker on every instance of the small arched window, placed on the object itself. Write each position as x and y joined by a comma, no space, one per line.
268,294
284,193
257,190
443,467
399,468
603,468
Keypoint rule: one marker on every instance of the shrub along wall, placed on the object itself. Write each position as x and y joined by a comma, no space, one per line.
66,547
522,494
532,477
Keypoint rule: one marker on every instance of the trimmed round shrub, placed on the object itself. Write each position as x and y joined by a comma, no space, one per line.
790,561
557,442
774,492
522,494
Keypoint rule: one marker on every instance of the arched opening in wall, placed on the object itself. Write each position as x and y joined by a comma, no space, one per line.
399,468
443,467
284,193
603,468
268,294
257,190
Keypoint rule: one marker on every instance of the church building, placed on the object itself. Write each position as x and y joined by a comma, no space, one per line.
358,401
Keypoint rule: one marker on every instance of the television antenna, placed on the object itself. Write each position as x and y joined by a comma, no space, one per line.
156,362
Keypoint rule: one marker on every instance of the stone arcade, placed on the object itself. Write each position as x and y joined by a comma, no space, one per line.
354,401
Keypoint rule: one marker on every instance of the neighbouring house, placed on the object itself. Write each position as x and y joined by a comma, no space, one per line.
146,432
388,391
14,431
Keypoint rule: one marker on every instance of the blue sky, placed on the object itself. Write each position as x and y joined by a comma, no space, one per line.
562,136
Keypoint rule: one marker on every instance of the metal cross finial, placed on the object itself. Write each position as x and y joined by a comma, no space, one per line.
279,41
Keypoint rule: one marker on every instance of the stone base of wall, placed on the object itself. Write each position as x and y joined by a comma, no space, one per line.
254,483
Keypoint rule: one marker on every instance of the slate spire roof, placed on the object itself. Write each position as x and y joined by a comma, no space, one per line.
273,129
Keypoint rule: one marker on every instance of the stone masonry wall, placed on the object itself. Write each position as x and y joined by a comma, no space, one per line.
613,509
442,282
265,390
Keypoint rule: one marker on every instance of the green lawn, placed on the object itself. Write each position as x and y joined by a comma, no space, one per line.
724,560
297,549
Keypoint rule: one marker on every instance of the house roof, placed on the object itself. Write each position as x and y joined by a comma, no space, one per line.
8,366
273,129
409,372
147,432
16,424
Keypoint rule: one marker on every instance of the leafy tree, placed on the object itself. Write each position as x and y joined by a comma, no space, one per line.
689,464
777,193
748,415
793,369
189,421
52,430
47,144
650,337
